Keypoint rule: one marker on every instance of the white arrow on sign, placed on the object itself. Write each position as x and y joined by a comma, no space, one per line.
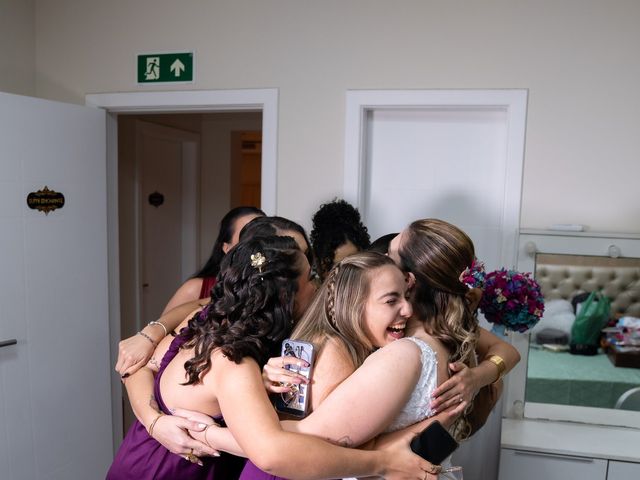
176,67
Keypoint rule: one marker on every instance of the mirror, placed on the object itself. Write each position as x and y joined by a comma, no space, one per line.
551,383
556,375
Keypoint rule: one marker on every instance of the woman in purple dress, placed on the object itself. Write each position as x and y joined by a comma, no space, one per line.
214,367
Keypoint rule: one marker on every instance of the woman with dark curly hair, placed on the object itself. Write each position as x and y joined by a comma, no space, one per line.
337,233
214,366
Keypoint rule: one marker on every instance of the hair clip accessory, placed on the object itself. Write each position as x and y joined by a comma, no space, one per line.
258,260
473,276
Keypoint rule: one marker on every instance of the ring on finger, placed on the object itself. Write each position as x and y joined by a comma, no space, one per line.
191,457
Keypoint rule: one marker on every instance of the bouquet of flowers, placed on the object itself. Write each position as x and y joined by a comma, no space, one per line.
511,301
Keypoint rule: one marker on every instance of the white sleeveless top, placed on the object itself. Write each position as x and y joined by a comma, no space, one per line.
417,407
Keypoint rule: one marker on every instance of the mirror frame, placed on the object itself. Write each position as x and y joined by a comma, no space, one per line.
530,243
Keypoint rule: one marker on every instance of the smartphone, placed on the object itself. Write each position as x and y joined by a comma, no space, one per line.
434,443
296,401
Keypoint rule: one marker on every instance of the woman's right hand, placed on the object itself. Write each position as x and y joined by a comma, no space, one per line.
171,432
278,379
133,353
400,462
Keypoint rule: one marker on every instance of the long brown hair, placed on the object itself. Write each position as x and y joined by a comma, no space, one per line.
437,252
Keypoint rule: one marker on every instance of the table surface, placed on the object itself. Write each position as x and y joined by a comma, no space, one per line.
565,379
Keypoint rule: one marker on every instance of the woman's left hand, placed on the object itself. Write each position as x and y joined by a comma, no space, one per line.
201,433
459,390
278,379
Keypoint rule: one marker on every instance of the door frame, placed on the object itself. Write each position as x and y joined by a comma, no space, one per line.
179,101
361,103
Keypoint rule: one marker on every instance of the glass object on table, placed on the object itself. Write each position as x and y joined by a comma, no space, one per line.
450,473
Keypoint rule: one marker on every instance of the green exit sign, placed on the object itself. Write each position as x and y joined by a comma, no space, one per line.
165,67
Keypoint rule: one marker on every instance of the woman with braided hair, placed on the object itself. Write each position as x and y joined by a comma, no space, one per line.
393,388
362,305
214,366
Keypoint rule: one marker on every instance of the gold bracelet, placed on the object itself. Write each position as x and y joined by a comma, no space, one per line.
155,322
498,362
153,424
205,436
148,338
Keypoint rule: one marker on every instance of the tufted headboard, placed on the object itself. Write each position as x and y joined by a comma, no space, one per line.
564,276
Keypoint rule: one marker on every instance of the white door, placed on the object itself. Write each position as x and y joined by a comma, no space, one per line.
454,155
167,160
55,401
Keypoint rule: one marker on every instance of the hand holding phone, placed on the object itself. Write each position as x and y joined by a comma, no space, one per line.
434,443
296,401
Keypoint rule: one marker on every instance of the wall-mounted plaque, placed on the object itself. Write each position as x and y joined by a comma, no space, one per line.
45,200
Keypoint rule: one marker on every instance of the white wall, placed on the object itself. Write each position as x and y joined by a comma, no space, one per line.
578,58
17,47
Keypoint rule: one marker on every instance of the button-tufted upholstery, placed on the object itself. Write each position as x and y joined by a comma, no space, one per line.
564,276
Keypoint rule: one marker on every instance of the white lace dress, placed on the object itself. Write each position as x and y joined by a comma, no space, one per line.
417,407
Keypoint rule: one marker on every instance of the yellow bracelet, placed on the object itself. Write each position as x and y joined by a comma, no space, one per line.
498,362
153,424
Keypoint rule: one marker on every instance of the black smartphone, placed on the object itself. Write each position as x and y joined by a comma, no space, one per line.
296,401
434,443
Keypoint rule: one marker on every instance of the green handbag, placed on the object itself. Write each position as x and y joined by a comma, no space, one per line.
592,318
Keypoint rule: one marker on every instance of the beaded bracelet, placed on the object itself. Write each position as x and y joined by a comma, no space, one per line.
155,322
147,337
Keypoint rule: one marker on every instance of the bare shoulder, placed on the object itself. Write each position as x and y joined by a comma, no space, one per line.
403,349
332,366
335,351
190,290
400,348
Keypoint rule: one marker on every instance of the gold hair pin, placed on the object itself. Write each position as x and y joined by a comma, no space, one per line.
258,260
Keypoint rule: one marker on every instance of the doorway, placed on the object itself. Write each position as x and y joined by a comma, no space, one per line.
176,180
260,102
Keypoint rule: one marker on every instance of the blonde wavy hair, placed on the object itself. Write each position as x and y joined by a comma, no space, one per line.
337,310
436,252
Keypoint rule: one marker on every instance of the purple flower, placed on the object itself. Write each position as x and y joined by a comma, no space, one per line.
512,299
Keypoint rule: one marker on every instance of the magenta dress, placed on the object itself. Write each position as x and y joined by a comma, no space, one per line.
140,457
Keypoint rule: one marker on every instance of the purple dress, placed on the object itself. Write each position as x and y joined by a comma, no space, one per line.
140,457
251,472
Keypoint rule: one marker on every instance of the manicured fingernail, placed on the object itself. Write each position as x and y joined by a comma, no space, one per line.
126,375
172,410
217,454
202,425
